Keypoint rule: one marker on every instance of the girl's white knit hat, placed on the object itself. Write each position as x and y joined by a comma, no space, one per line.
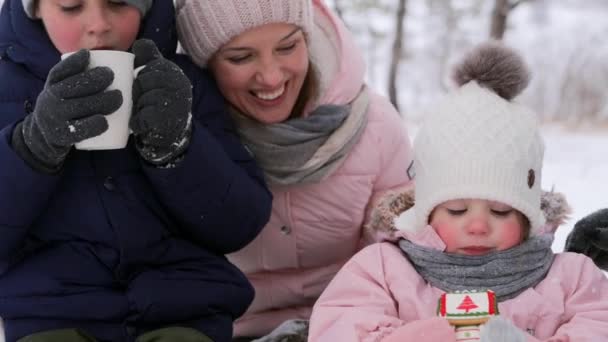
204,26
142,5
478,144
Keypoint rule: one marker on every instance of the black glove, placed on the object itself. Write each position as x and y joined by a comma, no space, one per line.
162,102
70,108
590,237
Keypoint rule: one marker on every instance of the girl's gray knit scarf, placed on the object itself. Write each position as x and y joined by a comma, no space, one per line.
307,149
507,273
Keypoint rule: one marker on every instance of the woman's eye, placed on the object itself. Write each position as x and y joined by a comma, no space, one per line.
501,213
456,212
118,2
238,59
287,48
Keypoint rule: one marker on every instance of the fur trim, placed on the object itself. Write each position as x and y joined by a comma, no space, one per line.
381,224
553,204
496,67
555,207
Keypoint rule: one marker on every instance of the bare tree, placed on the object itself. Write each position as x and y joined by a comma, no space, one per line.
339,9
397,52
500,14
583,90
450,20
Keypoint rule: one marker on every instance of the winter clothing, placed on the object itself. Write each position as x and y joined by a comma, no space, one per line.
112,245
590,237
173,334
379,296
223,20
59,335
69,109
475,122
315,228
142,5
162,97
508,273
170,334
305,149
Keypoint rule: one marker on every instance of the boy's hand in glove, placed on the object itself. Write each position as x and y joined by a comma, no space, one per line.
590,237
162,102
70,108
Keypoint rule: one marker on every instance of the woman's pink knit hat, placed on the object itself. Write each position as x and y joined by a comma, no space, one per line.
204,26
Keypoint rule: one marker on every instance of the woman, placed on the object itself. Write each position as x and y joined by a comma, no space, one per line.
329,146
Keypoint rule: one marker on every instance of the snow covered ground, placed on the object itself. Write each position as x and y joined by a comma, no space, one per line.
576,163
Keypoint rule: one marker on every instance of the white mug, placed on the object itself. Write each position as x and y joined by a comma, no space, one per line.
117,134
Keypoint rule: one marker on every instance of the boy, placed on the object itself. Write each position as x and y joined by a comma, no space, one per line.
122,244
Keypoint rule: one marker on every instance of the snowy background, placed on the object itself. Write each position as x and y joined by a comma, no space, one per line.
576,163
563,41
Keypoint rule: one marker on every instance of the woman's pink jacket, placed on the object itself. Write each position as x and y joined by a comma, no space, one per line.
314,229
379,296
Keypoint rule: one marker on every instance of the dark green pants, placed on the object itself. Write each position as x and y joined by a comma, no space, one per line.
171,334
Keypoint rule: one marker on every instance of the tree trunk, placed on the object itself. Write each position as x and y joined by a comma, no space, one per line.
500,14
451,19
338,9
498,24
396,54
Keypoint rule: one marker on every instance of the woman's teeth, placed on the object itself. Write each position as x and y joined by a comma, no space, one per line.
270,95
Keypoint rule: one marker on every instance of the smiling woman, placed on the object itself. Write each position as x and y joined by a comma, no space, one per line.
262,71
329,146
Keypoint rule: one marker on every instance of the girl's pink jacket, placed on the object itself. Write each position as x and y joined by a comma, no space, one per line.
314,229
379,296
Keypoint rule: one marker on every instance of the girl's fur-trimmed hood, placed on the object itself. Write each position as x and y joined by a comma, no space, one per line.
381,224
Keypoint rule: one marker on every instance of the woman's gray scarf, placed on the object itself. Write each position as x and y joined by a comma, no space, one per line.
306,149
507,273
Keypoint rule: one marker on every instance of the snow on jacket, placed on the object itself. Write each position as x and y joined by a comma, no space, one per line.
314,229
379,296
111,245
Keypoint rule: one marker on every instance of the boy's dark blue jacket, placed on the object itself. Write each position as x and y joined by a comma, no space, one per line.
111,245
